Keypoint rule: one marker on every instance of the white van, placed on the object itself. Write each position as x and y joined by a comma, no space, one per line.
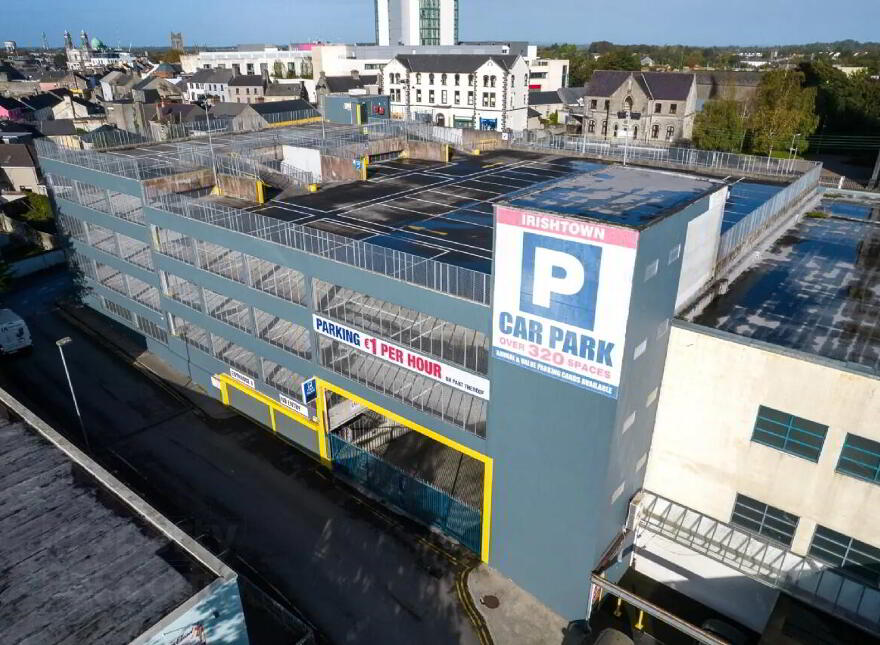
14,333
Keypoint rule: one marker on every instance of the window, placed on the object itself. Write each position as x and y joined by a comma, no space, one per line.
849,557
471,79
789,433
492,81
763,519
458,79
470,98
655,131
594,104
247,90
860,458
673,108
604,128
418,96
486,80
670,132
238,90
418,79
442,79
635,132
485,99
457,97
607,105
430,96
512,80
658,108
615,129
430,79
444,97
591,127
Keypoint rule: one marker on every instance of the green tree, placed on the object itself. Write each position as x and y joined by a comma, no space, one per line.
60,60
783,108
619,60
720,126
39,208
171,56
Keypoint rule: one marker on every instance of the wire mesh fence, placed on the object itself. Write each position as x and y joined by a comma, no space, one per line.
747,231
669,156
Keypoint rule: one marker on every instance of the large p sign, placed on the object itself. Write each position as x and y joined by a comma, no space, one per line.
560,279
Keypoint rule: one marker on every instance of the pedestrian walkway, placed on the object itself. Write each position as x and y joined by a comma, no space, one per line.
126,344
512,614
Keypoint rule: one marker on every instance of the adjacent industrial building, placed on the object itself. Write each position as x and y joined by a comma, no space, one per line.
600,388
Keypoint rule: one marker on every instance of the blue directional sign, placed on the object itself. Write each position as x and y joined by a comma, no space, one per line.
310,390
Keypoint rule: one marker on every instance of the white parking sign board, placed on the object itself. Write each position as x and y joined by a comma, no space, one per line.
562,307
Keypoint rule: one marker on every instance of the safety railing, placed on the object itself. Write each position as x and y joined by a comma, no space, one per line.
671,156
406,267
764,560
749,230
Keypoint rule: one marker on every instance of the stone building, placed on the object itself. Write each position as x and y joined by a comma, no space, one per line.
665,102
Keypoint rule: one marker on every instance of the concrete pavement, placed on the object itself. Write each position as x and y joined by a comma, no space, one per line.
358,573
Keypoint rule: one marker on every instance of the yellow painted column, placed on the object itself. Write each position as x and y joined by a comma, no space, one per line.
323,423
486,532
272,419
224,390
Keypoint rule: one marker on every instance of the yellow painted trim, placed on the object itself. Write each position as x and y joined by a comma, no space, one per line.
224,391
272,419
261,195
446,441
281,124
448,152
272,404
486,532
322,424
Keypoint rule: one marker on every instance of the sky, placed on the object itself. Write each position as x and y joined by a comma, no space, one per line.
229,22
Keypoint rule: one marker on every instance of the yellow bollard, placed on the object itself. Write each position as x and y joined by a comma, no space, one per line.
313,188
617,611
640,624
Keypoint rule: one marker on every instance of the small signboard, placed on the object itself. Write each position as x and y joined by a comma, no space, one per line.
357,164
310,390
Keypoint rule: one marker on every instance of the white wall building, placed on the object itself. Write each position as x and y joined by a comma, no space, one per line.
547,74
294,62
482,92
416,22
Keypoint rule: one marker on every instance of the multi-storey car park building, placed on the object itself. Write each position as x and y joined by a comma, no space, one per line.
507,346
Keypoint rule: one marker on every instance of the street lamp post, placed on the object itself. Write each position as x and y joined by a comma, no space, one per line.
61,342
792,152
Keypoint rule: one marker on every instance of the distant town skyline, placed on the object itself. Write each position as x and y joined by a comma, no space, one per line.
687,22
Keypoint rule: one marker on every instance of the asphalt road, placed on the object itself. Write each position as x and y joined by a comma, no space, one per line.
359,576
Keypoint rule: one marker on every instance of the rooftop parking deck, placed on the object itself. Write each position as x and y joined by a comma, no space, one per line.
436,210
816,290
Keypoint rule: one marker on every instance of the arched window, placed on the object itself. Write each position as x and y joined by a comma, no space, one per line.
635,132
670,132
615,129
604,128
493,81
628,104
457,79
655,131
591,128
442,79
471,79
419,79
486,81
430,79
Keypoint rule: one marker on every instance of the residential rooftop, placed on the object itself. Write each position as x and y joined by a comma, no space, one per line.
78,565
816,290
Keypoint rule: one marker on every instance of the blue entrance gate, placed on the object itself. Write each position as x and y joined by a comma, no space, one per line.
420,499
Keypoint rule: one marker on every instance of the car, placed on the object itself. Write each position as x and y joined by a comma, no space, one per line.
14,333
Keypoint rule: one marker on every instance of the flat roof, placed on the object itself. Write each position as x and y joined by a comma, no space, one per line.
431,209
78,567
621,195
815,290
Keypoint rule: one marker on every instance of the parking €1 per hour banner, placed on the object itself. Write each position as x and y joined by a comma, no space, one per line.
561,296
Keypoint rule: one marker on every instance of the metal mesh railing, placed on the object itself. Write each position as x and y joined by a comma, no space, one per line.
423,272
671,156
748,231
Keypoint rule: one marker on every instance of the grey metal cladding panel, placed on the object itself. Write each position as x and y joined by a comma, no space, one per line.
150,277
287,310
79,211
455,310
250,406
297,433
135,307
95,177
